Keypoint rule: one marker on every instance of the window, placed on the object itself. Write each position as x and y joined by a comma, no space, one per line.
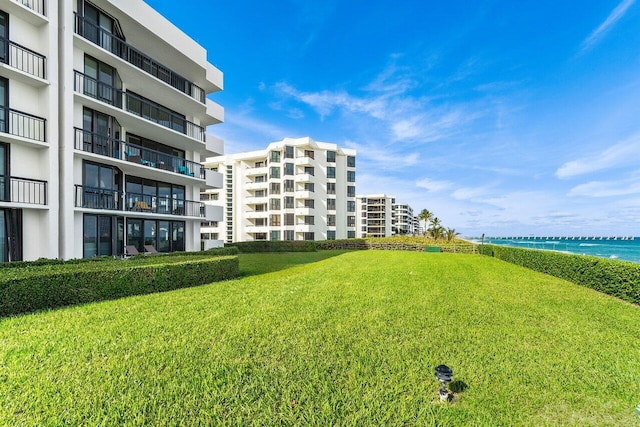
145,195
275,188
101,82
308,186
288,168
165,236
274,220
275,204
331,172
260,164
156,113
331,156
331,204
288,185
351,221
309,154
261,208
101,236
289,202
260,178
331,234
289,219
309,220
260,222
351,191
275,172
308,236
288,152
351,176
363,222
351,161
351,234
100,186
308,203
260,193
308,170
331,220
351,206
331,188
99,132
289,235
275,156
260,236
275,235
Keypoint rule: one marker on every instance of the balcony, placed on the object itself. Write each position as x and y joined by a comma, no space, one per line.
262,170
256,185
137,105
32,11
22,190
256,200
110,147
24,125
23,59
108,199
90,31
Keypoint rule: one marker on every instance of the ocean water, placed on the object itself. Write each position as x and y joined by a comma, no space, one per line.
624,249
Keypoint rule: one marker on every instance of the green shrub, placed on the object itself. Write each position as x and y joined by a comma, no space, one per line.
620,279
56,286
341,244
275,246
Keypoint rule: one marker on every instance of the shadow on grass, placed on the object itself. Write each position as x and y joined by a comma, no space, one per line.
262,263
458,386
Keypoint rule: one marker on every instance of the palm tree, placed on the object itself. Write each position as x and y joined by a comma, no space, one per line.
436,229
451,234
425,216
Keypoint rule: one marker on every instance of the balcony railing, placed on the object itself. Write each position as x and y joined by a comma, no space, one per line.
136,202
22,124
117,149
98,198
22,58
137,105
23,190
122,49
35,5
107,199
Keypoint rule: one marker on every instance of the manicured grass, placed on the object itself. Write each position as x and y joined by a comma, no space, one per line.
351,339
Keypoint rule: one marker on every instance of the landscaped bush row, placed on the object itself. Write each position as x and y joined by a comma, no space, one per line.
59,287
274,246
341,244
618,278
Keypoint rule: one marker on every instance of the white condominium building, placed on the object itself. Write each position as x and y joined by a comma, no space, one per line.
380,216
402,219
375,215
102,131
295,189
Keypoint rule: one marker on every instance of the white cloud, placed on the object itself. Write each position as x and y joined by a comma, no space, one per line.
433,185
599,32
607,188
621,154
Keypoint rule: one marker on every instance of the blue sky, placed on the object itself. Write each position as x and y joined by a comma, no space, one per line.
501,117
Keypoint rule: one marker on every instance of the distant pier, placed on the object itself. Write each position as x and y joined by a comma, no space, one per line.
560,238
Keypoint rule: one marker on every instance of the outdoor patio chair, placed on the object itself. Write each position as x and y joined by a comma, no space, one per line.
149,249
130,250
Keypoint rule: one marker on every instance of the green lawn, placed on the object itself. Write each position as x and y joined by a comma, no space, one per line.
332,338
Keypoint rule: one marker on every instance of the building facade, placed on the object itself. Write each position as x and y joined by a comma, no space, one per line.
295,189
103,131
403,219
380,216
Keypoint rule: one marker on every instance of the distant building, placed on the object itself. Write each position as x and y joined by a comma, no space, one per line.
403,219
380,216
294,189
103,128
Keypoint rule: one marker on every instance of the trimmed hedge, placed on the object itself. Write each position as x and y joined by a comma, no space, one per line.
342,244
57,286
274,246
620,279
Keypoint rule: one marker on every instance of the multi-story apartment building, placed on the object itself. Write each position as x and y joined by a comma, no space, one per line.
295,189
103,130
375,215
402,219
380,216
